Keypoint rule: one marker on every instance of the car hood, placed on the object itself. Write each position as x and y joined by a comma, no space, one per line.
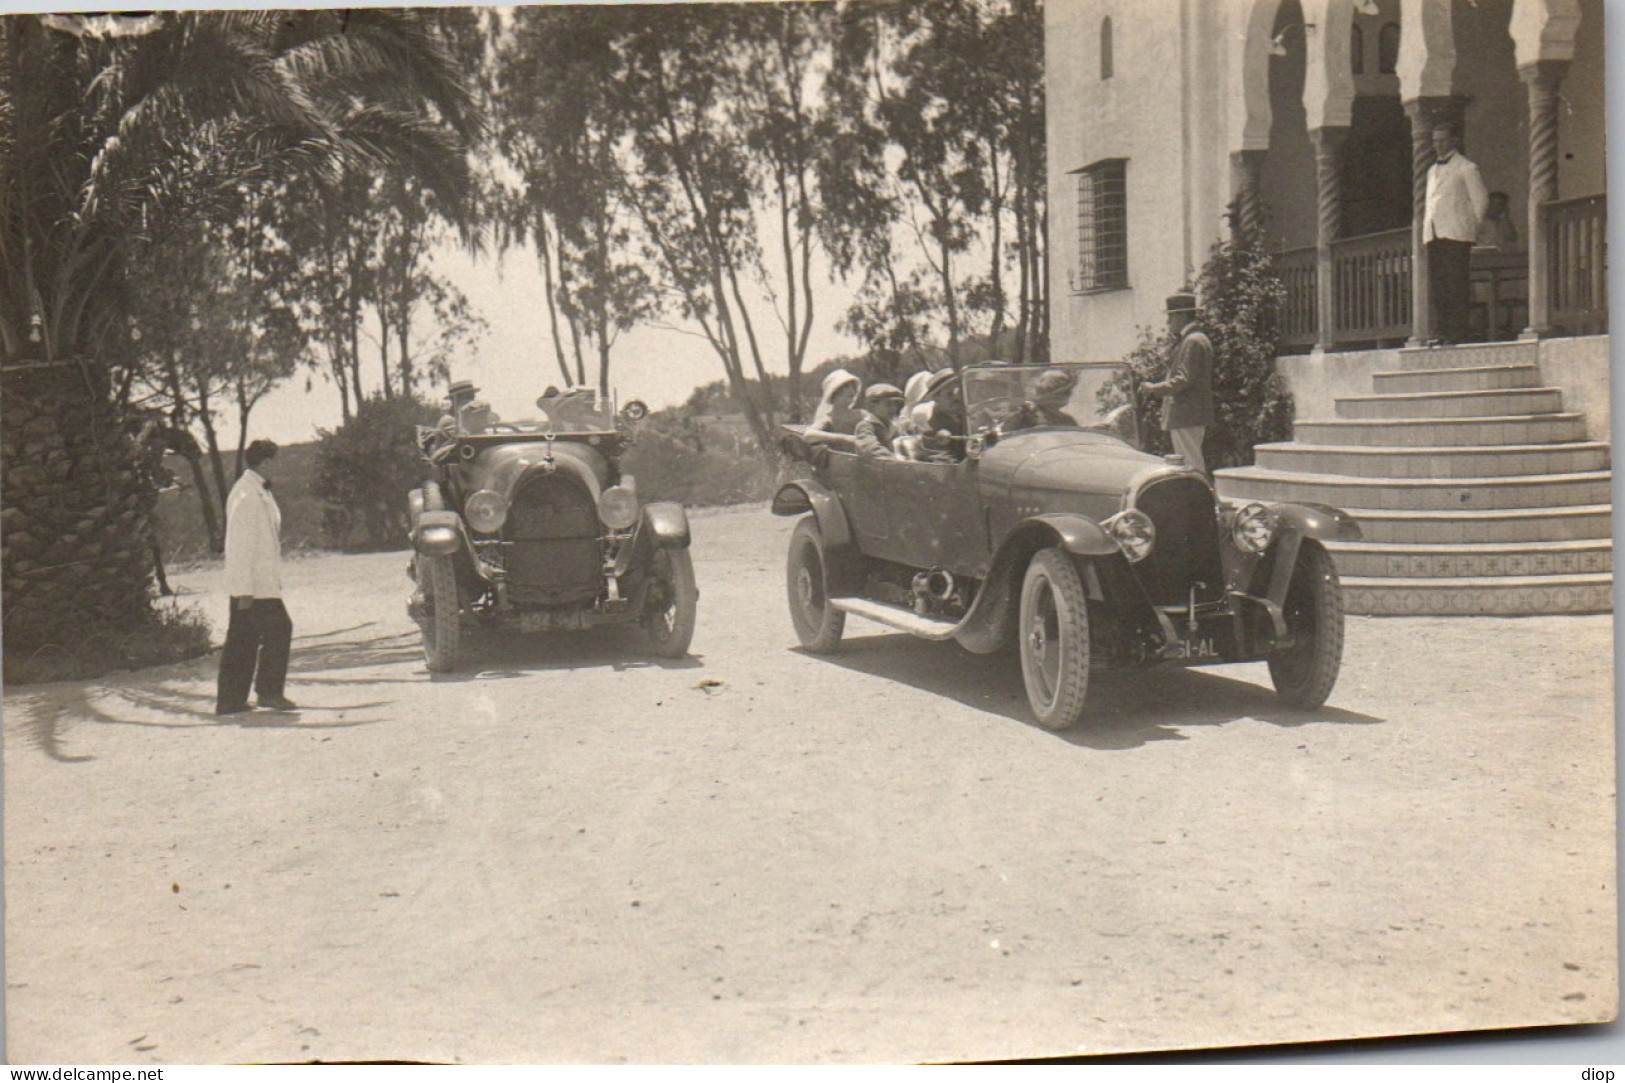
1069,462
503,467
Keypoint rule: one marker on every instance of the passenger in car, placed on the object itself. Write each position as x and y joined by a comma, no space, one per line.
876,431
943,440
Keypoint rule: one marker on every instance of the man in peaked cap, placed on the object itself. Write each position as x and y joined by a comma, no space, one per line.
1187,389
874,433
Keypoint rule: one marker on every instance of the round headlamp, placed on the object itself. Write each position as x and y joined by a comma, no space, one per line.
486,511
618,507
1253,528
1134,533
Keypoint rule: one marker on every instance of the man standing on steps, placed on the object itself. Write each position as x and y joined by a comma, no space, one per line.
260,633
1456,202
1187,390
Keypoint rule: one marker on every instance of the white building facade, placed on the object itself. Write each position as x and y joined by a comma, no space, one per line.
1171,119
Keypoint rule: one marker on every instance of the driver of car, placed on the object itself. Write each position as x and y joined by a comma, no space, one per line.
476,417
1051,393
947,418
876,429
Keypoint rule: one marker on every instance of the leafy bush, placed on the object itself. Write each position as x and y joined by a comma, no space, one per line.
167,633
1240,309
365,468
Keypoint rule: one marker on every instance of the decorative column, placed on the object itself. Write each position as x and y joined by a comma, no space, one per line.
1542,78
1247,201
1423,112
1328,143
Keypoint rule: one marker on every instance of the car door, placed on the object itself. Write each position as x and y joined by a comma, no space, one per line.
933,516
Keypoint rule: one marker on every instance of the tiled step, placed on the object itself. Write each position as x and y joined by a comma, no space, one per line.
1476,355
1434,462
1415,494
1442,431
1483,378
1507,526
1498,403
1485,596
1453,561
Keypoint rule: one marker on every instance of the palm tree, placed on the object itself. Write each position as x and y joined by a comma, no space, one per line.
115,130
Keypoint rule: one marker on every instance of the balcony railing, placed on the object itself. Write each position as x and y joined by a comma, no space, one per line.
1296,266
1578,269
1371,280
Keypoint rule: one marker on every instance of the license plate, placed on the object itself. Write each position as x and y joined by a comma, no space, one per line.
1200,647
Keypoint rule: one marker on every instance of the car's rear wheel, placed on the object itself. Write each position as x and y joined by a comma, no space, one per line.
1305,672
673,602
1053,639
441,620
819,625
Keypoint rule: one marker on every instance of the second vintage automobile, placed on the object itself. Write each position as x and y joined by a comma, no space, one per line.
532,526
1041,524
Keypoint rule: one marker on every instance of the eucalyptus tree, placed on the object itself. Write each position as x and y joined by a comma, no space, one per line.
945,107
560,128
113,132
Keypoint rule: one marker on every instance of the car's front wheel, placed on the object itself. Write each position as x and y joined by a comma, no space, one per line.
441,618
819,625
673,603
1305,672
1053,639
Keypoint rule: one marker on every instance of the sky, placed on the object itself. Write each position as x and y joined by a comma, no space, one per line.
515,360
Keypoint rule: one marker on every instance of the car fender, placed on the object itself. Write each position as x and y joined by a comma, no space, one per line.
666,524
991,621
844,564
1295,522
439,533
1320,521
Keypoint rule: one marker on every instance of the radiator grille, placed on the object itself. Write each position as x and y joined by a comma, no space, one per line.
1187,548
553,554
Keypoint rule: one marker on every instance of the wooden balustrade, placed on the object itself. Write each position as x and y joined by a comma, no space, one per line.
1296,267
1371,277
1578,268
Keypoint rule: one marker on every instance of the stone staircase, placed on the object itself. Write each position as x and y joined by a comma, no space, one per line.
1476,492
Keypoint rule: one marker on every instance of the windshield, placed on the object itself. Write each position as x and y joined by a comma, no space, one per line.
1093,396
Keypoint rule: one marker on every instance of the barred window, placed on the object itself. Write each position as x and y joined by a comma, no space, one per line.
1103,226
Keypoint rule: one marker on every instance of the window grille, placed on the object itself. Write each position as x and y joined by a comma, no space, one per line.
1103,226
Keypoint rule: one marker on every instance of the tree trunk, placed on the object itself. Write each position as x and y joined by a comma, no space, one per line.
74,531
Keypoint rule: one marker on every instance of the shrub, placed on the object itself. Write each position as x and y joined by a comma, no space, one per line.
167,633
365,468
1240,299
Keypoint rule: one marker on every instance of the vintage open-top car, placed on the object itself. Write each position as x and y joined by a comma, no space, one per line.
532,525
1042,524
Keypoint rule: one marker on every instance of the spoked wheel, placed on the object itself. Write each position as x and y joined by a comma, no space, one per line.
1053,638
672,604
819,625
1305,672
441,617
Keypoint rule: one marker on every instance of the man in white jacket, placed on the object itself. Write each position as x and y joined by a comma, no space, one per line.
1456,201
260,633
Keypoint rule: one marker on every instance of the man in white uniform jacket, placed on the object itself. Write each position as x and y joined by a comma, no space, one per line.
1456,201
260,633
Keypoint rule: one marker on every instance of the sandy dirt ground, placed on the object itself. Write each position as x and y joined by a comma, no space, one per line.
571,853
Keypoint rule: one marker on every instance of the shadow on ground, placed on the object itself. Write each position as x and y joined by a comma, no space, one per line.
1127,708
493,655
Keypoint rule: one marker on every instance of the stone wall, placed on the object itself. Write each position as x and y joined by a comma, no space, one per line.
75,561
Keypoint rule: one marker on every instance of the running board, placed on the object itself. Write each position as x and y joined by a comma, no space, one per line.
894,616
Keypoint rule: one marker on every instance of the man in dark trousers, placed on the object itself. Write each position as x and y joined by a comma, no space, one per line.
260,633
1187,390
1456,202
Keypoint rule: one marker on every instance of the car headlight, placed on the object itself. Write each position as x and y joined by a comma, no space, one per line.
486,511
1134,532
1253,528
618,507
